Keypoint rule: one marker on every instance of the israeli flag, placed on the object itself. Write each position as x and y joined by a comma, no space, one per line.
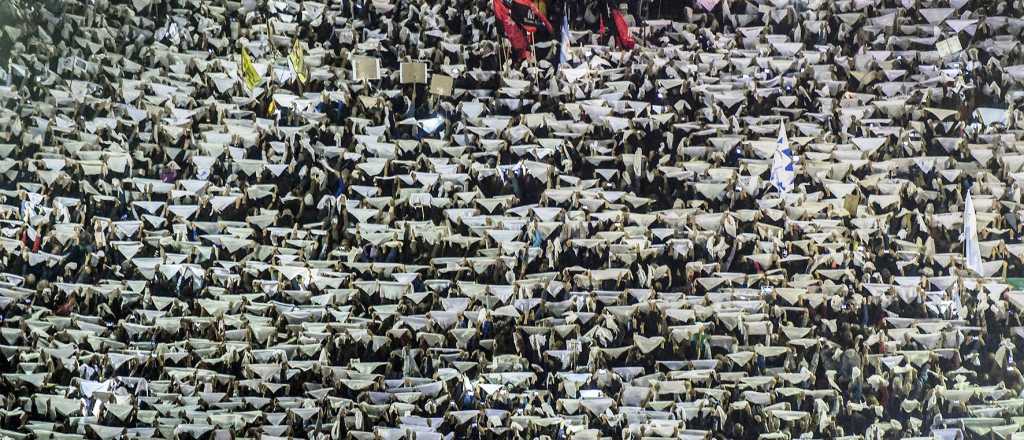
563,53
783,174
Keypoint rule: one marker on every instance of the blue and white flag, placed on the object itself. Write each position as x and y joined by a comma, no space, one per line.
563,54
783,174
972,248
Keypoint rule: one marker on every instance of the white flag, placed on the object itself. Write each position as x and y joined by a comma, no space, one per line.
563,53
972,250
783,171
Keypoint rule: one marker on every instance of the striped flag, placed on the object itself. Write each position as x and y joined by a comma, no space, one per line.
783,172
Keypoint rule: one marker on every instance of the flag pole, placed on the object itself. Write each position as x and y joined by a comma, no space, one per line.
500,41
533,48
645,14
501,54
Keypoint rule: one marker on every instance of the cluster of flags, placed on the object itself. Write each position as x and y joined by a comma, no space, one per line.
783,172
251,77
520,33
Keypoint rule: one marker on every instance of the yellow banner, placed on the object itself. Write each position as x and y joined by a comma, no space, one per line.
249,73
298,64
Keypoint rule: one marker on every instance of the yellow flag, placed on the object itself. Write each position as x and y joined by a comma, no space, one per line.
271,108
249,73
298,63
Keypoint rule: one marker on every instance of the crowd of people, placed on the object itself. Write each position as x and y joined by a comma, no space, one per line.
251,219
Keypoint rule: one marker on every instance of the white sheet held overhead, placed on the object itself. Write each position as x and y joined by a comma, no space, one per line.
972,249
783,175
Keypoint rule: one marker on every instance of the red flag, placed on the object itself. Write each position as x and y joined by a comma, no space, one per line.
515,35
622,35
536,13
501,11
